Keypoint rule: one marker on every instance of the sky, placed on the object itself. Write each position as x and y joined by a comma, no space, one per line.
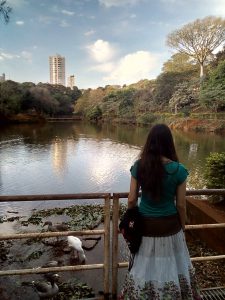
104,42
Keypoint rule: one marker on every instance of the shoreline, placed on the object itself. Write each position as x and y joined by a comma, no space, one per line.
186,124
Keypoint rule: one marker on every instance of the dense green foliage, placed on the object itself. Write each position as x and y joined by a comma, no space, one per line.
178,89
184,97
123,104
138,102
215,171
44,99
213,89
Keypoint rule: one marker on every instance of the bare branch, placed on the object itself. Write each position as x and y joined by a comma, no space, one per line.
5,10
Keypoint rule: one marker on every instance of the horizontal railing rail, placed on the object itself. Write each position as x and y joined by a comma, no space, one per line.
49,234
52,269
53,197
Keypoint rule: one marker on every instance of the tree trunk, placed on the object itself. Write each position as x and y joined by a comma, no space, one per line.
175,109
201,72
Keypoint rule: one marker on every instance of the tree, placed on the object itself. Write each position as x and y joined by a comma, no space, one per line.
219,57
166,85
198,39
179,62
94,114
212,92
42,100
5,10
215,173
185,96
10,97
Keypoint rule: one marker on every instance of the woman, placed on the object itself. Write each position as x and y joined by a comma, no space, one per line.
161,268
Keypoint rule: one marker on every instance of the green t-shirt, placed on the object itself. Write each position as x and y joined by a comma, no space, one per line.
176,173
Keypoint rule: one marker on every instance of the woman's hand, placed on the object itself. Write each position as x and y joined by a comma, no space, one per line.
133,194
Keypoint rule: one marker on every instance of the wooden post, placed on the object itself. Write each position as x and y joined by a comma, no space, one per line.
106,269
115,219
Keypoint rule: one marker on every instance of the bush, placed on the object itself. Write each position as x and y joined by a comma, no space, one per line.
146,118
215,171
95,113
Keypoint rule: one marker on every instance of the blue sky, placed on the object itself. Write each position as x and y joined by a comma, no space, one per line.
103,41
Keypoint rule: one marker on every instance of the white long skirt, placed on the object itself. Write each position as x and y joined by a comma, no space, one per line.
162,270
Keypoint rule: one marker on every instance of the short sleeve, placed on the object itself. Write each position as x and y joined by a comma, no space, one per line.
182,174
133,169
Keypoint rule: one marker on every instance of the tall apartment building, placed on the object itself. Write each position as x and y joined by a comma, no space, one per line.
57,69
71,81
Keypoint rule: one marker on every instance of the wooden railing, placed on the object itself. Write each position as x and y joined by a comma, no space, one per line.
105,232
106,266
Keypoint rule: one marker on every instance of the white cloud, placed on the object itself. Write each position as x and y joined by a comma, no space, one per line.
90,32
4,56
92,17
63,23
101,51
67,12
26,55
110,3
171,1
45,19
132,68
217,7
104,68
17,3
9,56
20,23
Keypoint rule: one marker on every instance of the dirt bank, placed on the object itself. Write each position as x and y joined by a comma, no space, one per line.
22,118
204,125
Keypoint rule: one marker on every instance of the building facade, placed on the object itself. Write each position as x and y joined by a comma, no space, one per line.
2,78
71,81
57,69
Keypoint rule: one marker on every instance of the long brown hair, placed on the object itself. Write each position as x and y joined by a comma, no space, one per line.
150,169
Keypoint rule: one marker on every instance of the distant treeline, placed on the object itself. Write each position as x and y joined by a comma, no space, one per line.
44,99
177,89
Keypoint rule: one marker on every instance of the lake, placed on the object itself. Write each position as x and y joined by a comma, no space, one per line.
76,157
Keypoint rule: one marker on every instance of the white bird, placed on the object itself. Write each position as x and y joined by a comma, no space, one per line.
47,290
75,243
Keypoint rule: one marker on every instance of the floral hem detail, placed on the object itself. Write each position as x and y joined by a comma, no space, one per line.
169,291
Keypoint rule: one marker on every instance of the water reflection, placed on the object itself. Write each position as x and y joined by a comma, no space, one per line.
59,156
81,158
193,151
